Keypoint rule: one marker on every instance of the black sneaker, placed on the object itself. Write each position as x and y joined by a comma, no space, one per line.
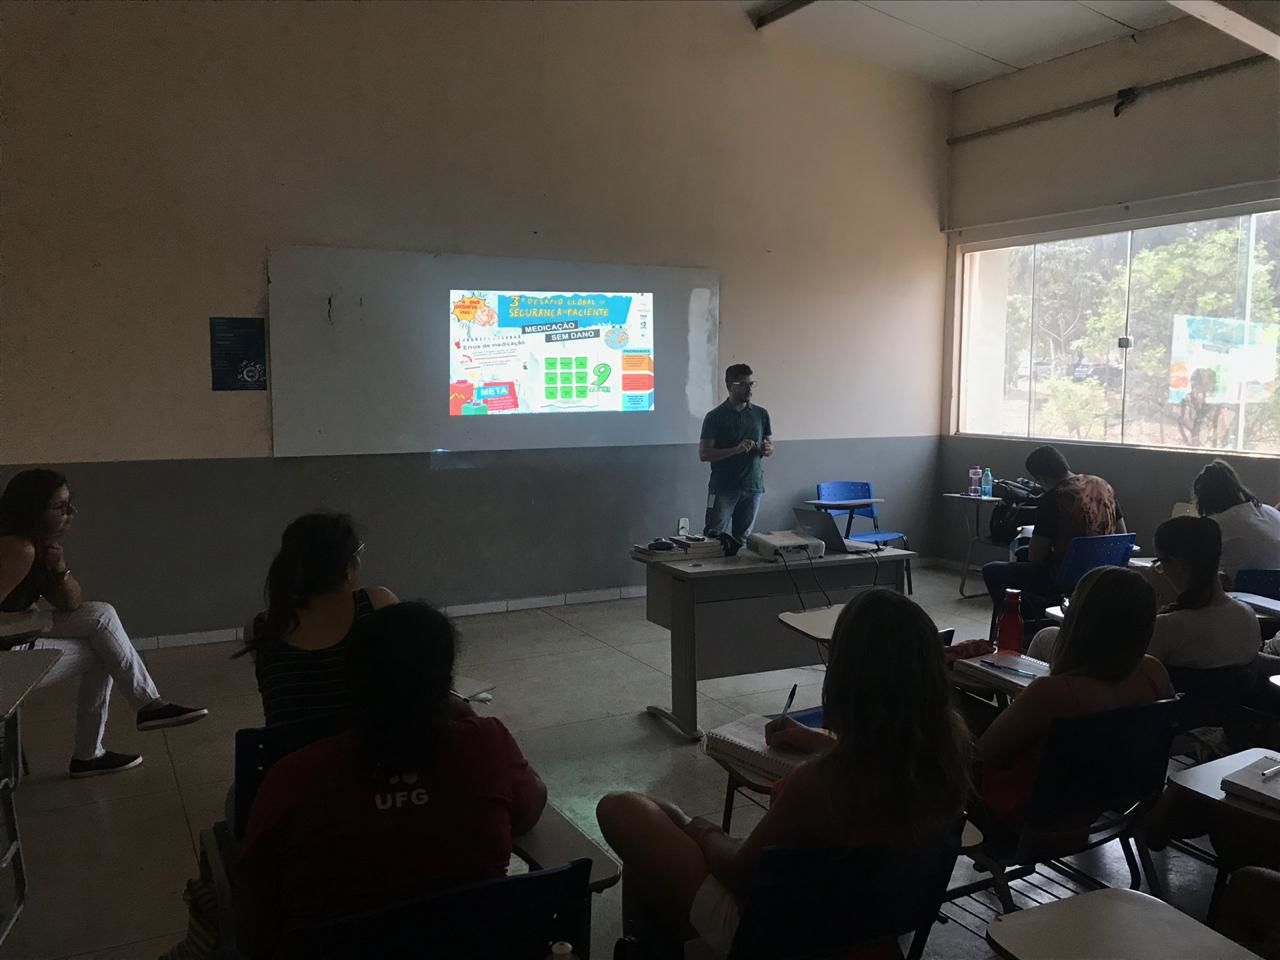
168,715
109,762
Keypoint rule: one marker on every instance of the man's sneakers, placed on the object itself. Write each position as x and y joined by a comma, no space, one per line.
159,715
109,762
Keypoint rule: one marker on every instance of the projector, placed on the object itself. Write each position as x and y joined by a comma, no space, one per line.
785,545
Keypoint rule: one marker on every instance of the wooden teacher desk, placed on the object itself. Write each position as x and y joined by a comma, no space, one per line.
723,614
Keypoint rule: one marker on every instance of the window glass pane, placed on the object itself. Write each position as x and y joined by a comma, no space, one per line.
996,340
1262,419
1078,313
1194,357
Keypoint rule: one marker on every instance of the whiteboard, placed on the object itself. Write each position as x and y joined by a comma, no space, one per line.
359,344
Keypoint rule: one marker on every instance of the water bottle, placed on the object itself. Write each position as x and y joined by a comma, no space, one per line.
975,481
1009,632
562,951
987,482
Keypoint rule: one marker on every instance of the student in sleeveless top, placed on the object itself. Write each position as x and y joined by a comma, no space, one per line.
892,770
421,795
1072,505
35,515
1098,663
302,643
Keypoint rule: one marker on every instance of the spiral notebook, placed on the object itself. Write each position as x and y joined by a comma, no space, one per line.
741,744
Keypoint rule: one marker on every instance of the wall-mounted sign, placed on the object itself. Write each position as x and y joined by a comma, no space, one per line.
238,353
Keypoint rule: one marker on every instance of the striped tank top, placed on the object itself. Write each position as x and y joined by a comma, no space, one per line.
300,684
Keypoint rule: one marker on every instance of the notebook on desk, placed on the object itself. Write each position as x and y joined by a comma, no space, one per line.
741,744
1248,783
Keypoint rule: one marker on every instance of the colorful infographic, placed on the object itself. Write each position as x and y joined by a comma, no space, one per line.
520,351
1223,360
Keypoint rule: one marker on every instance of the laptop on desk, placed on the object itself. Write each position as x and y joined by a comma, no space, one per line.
822,525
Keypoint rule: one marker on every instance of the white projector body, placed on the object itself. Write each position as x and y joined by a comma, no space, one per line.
785,545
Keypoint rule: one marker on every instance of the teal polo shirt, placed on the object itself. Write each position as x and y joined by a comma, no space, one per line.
726,427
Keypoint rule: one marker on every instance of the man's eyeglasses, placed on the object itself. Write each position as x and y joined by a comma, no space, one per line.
65,507
742,383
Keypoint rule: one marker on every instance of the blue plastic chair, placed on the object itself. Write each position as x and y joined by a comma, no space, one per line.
1086,553
813,901
859,490
1265,583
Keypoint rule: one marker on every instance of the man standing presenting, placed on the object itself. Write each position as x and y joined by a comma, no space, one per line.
735,436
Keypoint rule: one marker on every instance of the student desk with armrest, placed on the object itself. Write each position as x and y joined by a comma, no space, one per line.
1109,923
20,672
722,614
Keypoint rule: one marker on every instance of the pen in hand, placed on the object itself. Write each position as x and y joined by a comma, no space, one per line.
791,698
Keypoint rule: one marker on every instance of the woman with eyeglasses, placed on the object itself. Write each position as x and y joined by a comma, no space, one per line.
35,515
301,644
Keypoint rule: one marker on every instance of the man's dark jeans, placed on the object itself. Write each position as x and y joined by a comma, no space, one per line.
1035,580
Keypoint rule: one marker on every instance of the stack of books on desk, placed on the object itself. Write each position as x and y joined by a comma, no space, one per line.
1258,782
682,548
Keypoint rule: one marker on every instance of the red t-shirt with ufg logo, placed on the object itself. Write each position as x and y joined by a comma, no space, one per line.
340,839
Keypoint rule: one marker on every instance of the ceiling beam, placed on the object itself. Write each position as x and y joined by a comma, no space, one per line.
769,13
1247,22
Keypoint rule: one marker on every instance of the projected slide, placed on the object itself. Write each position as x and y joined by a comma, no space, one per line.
524,351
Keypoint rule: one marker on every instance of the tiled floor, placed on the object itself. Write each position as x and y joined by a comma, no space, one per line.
108,857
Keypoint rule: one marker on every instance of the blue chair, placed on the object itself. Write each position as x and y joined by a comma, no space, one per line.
1099,774
859,490
1265,583
819,902
1086,553
511,917
810,902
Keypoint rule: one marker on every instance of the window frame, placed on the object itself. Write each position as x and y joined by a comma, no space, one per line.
1002,236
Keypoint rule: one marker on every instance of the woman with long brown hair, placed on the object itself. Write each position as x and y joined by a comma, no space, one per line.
890,770
1099,662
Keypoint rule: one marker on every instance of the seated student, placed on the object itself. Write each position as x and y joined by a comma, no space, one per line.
1203,628
1098,663
422,795
1250,530
1072,505
895,773
35,515
301,644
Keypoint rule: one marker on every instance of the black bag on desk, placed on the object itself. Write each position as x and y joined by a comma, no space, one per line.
1016,509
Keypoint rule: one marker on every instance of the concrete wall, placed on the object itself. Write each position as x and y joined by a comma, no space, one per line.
152,153
1219,132
183,545
1147,482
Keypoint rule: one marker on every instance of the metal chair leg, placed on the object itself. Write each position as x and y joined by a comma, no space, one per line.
1154,884
968,565
729,791
910,588
1001,886
1135,876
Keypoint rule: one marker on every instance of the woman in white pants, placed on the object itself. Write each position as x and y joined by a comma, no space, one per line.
35,514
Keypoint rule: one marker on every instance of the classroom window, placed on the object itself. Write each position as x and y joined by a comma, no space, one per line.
1043,328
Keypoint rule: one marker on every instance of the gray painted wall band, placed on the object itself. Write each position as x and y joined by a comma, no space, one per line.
183,545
